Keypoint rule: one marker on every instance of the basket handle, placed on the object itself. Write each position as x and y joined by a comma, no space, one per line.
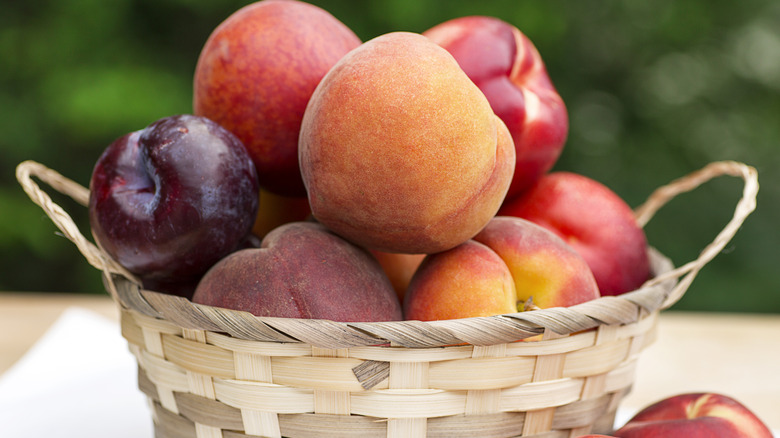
94,255
664,194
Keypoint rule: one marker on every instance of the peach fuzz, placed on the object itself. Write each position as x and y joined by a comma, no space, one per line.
545,269
400,151
469,280
255,75
302,270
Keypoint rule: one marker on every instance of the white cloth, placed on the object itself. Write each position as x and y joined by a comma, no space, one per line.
78,380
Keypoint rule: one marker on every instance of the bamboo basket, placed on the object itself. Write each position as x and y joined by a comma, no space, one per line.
559,372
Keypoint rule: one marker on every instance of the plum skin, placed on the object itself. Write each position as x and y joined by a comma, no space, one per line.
170,200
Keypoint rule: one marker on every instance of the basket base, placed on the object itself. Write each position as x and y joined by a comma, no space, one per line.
197,415
170,425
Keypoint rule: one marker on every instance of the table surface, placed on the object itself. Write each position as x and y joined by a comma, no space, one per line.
733,354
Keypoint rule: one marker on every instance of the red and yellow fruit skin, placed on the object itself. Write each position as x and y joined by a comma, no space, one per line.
545,269
695,415
510,266
594,221
256,73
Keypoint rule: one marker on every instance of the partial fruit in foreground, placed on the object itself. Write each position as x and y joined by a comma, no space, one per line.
400,151
302,270
169,201
256,73
594,221
506,66
695,415
511,266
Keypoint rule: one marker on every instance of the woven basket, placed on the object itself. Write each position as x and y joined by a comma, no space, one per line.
212,372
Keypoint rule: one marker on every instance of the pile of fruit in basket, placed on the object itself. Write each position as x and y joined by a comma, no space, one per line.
405,177
323,177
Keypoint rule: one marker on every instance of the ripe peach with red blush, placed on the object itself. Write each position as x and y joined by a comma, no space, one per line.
545,269
256,73
510,266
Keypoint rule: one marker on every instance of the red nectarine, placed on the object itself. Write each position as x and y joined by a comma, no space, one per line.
595,221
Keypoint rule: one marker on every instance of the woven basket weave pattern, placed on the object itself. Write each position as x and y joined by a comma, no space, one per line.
562,372
201,379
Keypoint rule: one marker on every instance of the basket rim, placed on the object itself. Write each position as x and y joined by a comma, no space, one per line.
482,331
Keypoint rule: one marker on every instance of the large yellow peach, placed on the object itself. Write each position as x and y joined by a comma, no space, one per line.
400,151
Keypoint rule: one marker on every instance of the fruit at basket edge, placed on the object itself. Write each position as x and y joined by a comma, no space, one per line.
302,270
256,73
509,70
595,221
695,415
400,151
511,263
169,201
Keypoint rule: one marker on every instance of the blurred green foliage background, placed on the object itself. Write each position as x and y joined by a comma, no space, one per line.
655,90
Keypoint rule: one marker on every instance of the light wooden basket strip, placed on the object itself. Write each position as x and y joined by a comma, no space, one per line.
473,373
225,417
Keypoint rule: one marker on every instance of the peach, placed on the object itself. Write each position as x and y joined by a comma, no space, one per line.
400,151
466,281
511,266
302,270
399,268
695,415
256,73
593,220
545,269
276,210
509,70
